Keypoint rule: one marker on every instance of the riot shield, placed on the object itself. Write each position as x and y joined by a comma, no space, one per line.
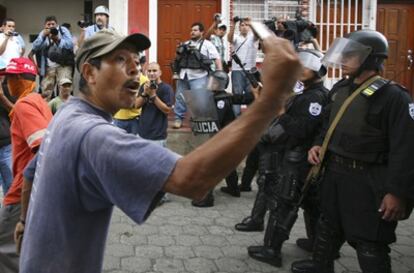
203,111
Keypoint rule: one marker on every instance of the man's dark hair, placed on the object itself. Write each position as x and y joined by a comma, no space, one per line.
83,85
8,20
200,26
50,18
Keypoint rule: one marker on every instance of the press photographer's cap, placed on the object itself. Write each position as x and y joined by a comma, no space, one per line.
222,26
64,81
105,41
21,66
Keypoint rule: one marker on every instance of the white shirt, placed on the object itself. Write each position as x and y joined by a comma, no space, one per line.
13,48
207,49
246,50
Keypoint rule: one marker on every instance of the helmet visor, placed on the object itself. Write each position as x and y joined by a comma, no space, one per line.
310,61
346,52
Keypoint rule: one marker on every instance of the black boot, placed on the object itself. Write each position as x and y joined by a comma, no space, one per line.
248,224
232,188
208,201
270,253
310,226
324,249
255,221
252,162
374,258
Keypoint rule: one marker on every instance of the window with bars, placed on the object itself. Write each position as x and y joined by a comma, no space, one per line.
260,10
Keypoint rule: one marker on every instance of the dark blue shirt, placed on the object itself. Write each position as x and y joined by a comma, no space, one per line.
153,123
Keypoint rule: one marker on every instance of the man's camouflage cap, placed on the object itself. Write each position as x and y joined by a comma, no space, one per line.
105,41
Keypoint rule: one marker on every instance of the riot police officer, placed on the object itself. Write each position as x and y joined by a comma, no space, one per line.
211,110
283,165
368,168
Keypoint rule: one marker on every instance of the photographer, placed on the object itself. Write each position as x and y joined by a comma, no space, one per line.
300,32
156,99
216,34
245,46
101,14
11,43
194,60
55,47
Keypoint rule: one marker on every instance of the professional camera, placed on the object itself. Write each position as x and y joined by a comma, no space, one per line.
185,48
236,19
153,84
217,17
299,30
54,31
84,24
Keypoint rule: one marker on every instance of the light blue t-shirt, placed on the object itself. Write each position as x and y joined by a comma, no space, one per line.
85,166
91,30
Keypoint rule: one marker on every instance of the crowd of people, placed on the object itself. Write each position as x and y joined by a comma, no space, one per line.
342,155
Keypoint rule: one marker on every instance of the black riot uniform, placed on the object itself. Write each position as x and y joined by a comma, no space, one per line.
283,168
369,156
224,107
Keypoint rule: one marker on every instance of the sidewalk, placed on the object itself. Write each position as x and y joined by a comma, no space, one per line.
180,238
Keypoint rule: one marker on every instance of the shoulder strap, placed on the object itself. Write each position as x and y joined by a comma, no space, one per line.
237,49
201,45
368,85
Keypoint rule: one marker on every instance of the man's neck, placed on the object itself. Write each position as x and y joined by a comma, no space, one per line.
196,40
64,97
365,75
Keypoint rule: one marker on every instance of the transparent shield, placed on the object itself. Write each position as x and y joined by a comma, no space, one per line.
346,52
310,61
201,104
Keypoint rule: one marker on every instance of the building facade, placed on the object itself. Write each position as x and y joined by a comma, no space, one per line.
167,22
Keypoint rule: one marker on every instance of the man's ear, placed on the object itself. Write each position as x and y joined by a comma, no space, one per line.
89,73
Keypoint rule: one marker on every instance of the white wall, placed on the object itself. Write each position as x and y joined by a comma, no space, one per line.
119,15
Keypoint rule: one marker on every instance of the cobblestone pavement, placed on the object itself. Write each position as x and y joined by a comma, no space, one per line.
180,238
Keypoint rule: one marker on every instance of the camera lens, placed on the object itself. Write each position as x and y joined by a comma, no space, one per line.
54,31
153,85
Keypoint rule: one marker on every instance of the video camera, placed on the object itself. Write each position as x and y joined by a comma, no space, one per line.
185,48
84,24
298,30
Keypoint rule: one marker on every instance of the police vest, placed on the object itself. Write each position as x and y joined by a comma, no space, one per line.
193,59
354,137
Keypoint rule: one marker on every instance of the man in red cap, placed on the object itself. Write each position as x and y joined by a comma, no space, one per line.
29,119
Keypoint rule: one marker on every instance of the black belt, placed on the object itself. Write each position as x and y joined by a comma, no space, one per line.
349,162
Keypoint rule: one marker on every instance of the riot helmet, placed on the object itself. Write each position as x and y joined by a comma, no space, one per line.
218,80
362,50
311,59
101,10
